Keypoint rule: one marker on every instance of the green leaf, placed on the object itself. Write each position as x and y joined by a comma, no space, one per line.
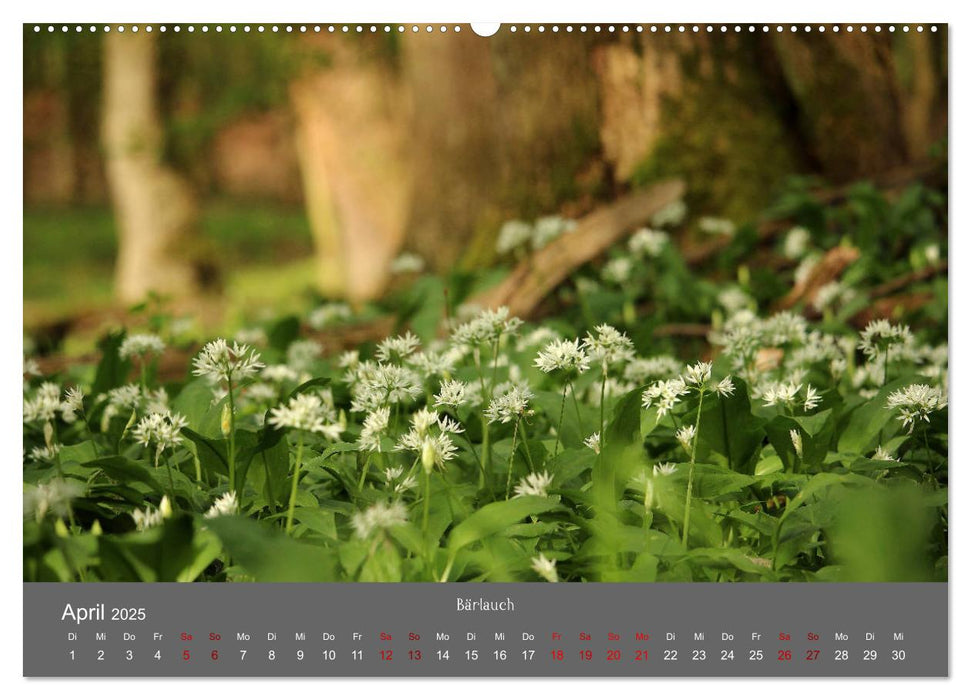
112,370
496,517
729,428
861,432
268,555
173,551
126,470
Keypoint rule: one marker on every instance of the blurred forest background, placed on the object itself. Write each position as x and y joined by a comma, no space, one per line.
231,172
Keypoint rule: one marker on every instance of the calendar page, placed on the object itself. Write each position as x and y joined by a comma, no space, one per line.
518,350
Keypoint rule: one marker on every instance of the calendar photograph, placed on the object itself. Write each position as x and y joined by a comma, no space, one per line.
566,303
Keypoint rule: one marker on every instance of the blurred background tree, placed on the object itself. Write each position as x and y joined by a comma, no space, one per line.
259,165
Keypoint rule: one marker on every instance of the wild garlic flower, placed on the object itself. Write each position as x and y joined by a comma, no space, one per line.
796,243
831,294
452,393
640,369
881,338
786,394
805,267
487,327
647,242
301,354
152,517
716,227
45,453
567,356
546,568
73,404
510,405
513,235
251,336
55,497
665,469
407,263
686,437
784,329
224,505
536,337
535,484
670,215
549,228
665,394
697,375
397,348
916,402
378,518
593,442
796,438
349,359
303,412
430,363
220,363
140,344
881,455
328,315
384,385
375,425
279,374
164,430
726,387
733,298
617,271
434,447
31,368
607,346
44,405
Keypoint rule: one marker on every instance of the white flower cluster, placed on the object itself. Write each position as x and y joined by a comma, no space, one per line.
567,356
452,393
55,497
608,347
397,348
916,402
407,263
787,394
546,568
510,405
46,402
329,315
486,328
648,242
308,412
378,517
429,437
376,385
220,363
164,430
152,517
536,484
224,505
882,338
140,344
617,270
666,394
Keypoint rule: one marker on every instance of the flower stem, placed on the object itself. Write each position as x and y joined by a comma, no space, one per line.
293,487
364,470
232,437
559,424
603,390
512,454
691,470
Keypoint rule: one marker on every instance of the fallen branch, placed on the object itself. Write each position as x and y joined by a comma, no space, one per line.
534,278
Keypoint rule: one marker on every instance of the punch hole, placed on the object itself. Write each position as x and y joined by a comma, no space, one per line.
485,29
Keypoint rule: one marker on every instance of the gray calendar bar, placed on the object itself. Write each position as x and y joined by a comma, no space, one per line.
455,629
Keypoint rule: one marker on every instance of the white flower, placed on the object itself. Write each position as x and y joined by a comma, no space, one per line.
451,393
916,402
301,354
534,485
733,299
151,517
670,215
487,327
640,369
549,228
430,363
407,263
609,346
139,344
796,243
251,336
593,442
378,517
55,497
384,385
716,227
375,423
686,436
31,368
617,271
546,568
73,404
447,425
348,360
536,337
563,355
161,429
665,395
224,505
45,404
725,387
881,337
796,437
881,455
279,374
45,453
806,267
397,348
513,235
648,242
509,405
303,412
933,253
220,363
812,398
665,469
698,374
328,315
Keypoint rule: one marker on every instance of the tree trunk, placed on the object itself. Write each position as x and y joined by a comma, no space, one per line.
155,210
